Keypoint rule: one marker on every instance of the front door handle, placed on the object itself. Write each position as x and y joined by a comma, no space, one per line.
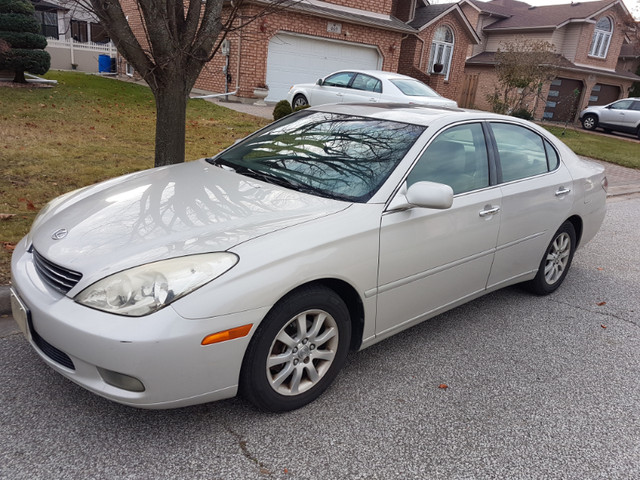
489,210
562,191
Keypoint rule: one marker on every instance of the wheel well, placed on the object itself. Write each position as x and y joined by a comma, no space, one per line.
576,221
350,297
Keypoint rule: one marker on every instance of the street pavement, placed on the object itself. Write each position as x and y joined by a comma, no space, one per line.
537,388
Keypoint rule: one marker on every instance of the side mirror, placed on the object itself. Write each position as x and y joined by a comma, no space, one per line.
424,195
320,81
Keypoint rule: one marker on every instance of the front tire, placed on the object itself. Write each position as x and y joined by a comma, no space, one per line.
556,261
297,351
299,101
589,122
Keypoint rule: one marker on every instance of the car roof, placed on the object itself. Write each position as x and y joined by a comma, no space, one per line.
414,114
376,73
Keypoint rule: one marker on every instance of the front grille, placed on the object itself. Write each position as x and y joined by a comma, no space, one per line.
60,278
50,351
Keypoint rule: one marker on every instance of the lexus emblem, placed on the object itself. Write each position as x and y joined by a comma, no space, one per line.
59,234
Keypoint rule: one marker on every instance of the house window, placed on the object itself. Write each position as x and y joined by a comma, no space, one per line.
441,50
48,23
79,31
98,33
601,38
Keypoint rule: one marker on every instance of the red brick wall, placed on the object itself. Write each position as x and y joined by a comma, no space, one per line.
403,9
377,6
617,38
415,54
250,48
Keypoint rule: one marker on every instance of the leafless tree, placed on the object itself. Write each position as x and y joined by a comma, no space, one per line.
522,66
174,41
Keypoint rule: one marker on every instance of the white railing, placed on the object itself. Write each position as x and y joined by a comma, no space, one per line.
71,44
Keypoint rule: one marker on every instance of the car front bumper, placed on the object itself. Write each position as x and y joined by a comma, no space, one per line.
162,350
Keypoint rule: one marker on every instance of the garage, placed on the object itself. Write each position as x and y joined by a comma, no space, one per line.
562,100
603,94
304,59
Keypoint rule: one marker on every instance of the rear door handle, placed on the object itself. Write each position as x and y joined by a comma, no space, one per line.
489,210
562,191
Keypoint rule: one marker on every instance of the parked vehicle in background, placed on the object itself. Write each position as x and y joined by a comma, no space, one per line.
258,269
366,86
620,116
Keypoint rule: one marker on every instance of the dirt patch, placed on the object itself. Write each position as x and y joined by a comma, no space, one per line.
10,84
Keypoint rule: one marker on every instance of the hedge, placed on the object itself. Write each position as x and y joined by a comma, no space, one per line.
24,40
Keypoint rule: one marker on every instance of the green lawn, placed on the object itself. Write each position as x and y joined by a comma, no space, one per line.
84,130
621,151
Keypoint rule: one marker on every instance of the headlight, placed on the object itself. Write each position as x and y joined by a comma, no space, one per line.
145,289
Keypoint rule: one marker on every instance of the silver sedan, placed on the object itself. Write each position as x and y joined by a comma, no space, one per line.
258,269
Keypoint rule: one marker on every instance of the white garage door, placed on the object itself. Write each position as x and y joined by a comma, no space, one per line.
299,59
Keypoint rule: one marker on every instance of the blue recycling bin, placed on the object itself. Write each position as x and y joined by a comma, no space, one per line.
104,63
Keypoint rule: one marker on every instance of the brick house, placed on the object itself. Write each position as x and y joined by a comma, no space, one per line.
312,38
436,53
302,43
588,39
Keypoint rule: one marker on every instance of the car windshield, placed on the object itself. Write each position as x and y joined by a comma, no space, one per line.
413,88
336,156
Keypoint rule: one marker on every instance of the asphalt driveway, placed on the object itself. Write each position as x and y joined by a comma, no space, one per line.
536,388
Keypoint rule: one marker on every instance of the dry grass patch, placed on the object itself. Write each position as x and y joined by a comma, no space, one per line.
82,131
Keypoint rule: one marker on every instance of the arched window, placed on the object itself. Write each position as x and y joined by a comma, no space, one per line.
601,38
441,50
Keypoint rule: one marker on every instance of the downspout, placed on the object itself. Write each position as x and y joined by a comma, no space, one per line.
421,52
239,60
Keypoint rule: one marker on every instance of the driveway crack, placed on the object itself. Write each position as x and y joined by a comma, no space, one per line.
242,443
601,313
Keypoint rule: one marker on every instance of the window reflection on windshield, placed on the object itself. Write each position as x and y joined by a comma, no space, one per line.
414,88
337,156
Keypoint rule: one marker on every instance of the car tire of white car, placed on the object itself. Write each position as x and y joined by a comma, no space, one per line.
297,351
299,101
556,261
589,122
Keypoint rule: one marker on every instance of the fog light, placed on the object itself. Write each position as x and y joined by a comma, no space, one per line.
120,380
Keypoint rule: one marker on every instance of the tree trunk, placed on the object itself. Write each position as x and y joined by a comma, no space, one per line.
19,77
171,116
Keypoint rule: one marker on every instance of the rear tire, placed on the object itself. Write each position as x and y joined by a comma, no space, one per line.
297,351
556,261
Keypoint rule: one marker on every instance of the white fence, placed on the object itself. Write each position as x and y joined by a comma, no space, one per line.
70,54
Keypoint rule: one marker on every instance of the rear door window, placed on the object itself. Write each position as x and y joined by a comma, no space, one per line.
522,152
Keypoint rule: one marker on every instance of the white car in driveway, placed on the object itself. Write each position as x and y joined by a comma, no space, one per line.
366,86
258,269
621,116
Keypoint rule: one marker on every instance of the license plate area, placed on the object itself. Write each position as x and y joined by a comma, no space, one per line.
20,313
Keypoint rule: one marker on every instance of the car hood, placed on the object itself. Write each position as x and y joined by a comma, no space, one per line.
167,212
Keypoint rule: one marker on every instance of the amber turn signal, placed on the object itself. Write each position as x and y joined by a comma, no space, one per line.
227,334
